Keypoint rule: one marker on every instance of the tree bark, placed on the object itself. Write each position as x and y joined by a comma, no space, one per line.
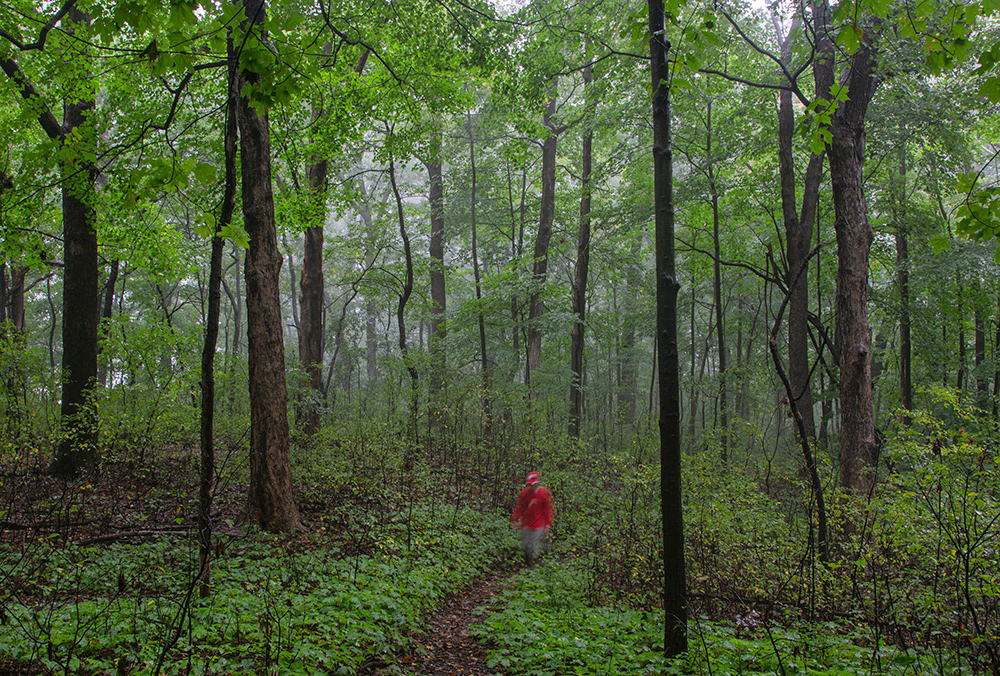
798,234
486,370
903,281
667,286
271,500
207,468
582,270
846,153
311,286
546,217
78,450
436,384
717,289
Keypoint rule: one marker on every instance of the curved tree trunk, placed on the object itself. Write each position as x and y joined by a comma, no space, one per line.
798,234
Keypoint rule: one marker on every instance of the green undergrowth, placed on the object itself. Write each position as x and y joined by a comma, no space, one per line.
542,625
288,606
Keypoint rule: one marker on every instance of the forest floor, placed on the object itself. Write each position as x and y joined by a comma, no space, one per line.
447,649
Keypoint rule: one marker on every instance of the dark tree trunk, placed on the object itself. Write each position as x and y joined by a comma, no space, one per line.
404,297
667,286
485,369
903,280
436,391
15,298
311,320
717,289
106,310
207,469
78,450
580,274
546,217
629,367
798,234
271,500
982,387
846,153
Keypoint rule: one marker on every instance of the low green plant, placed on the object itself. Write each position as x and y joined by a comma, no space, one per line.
295,607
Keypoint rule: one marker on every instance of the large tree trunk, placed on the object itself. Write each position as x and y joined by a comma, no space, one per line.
667,286
581,272
846,153
437,381
546,217
271,501
78,452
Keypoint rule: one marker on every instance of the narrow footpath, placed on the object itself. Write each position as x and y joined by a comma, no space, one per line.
447,649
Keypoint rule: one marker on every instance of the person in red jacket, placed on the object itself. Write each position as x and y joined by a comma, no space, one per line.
533,515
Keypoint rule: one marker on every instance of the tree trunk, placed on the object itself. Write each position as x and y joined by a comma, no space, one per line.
667,286
798,234
207,469
271,499
404,296
311,286
437,383
903,280
580,274
846,152
106,310
629,367
77,452
546,217
484,363
717,289
982,387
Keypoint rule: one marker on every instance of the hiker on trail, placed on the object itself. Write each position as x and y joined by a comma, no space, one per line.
533,515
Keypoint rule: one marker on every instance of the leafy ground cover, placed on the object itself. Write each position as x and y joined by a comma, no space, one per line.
100,578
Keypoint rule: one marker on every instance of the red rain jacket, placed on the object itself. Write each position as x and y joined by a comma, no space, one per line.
534,508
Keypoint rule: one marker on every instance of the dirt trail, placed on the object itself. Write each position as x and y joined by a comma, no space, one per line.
447,648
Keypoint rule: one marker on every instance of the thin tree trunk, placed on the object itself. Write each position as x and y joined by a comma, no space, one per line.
311,285
580,275
903,280
207,470
106,310
486,371
667,286
546,217
717,289
437,383
404,296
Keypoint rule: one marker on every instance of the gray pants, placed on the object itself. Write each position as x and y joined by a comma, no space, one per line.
531,544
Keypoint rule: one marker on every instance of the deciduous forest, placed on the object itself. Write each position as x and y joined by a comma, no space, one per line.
293,297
